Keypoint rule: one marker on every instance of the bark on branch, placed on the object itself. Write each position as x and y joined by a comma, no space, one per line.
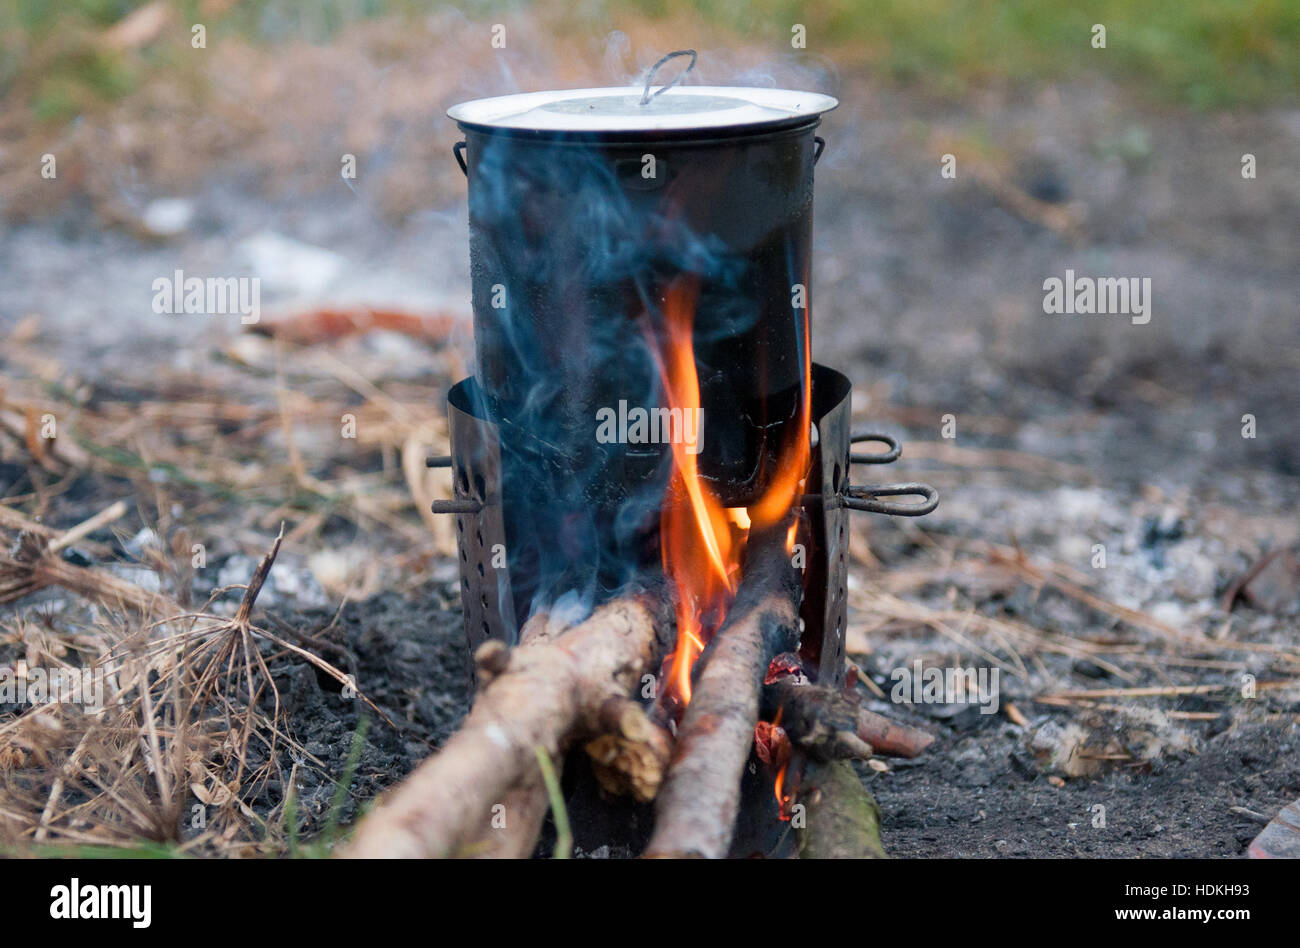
695,812
833,726
843,820
547,691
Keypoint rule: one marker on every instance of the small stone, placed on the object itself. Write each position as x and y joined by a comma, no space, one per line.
1275,589
167,217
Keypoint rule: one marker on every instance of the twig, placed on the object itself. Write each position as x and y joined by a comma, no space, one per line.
1127,709
1159,692
106,516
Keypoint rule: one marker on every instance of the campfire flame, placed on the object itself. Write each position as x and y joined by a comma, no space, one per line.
700,553
703,541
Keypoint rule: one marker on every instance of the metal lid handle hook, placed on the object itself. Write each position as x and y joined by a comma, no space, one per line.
646,95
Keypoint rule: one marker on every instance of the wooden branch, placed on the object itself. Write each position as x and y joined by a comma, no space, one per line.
695,813
16,522
894,740
832,725
632,752
842,820
114,511
550,691
823,721
511,833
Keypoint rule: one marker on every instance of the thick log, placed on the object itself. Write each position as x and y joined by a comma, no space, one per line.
695,812
842,819
512,831
550,690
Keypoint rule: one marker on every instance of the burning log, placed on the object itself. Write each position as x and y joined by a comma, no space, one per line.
823,721
550,689
831,725
695,812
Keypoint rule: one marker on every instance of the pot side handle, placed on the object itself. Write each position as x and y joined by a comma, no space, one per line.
458,150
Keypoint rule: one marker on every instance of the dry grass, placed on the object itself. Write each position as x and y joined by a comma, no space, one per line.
234,433
191,715
189,696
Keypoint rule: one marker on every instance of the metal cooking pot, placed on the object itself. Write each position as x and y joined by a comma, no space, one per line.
585,208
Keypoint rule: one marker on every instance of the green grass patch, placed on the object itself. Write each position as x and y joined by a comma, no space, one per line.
1202,53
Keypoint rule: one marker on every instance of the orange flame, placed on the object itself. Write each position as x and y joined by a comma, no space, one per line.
773,747
778,787
701,540
698,547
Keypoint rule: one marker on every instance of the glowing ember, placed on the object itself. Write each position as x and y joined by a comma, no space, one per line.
773,747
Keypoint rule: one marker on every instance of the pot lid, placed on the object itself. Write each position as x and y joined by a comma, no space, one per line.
627,109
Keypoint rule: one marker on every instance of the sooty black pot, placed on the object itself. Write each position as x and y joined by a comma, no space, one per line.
588,211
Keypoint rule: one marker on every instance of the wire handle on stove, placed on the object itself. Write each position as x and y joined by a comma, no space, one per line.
866,497
885,457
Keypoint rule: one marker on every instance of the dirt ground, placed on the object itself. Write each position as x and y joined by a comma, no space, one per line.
1070,432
